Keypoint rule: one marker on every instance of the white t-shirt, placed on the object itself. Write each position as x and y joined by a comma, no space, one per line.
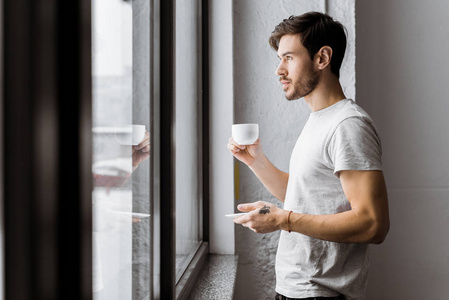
339,137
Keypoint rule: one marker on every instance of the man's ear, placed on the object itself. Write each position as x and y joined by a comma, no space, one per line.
323,57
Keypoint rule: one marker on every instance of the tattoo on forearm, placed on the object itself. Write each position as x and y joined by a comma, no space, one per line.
264,210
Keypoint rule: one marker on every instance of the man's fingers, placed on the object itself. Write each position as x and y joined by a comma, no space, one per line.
233,143
243,220
250,206
244,207
143,144
234,147
246,221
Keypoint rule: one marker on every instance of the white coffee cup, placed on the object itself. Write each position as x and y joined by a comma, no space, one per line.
245,134
127,134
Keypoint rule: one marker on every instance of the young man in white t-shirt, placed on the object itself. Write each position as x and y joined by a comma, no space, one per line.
335,198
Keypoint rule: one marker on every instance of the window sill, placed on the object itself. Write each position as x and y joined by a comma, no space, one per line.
217,278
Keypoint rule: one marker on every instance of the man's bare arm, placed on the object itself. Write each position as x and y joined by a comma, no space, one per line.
272,178
367,221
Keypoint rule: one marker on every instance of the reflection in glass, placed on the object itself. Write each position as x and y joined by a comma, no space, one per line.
121,203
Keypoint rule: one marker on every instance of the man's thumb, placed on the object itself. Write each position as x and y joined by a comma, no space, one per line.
246,207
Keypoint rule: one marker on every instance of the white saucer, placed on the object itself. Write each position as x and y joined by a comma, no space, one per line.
235,215
135,214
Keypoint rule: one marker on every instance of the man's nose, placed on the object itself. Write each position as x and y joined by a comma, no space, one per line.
281,70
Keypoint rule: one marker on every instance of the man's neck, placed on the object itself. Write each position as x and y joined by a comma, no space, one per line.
327,93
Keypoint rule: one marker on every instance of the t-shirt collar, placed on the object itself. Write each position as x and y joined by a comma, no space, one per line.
329,108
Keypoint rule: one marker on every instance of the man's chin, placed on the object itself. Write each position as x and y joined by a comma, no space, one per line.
292,97
296,96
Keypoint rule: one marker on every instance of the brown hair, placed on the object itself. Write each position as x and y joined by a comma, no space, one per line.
315,30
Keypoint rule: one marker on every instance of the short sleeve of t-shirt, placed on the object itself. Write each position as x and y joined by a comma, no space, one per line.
355,145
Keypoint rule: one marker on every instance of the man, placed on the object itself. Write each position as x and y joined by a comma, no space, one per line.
335,199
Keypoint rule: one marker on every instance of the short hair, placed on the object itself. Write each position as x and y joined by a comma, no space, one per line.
315,30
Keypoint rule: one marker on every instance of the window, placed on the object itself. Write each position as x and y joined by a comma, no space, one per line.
85,82
183,155
121,170
128,213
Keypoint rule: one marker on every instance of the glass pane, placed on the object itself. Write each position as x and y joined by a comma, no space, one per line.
188,145
121,170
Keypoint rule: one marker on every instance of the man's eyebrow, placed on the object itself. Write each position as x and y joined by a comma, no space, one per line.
286,53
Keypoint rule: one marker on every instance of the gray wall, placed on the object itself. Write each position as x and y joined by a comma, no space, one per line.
402,78
258,98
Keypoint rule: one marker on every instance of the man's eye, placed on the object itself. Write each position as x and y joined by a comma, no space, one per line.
289,58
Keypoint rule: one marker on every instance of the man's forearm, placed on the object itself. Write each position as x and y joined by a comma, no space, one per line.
272,178
345,227
368,220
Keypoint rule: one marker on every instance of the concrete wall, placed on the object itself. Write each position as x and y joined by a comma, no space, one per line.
402,77
258,98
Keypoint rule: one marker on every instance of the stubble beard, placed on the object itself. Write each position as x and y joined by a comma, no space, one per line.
304,86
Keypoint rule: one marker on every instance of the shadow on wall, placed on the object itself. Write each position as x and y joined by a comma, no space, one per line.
404,91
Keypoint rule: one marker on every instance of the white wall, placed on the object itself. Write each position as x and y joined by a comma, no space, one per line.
258,98
221,118
402,79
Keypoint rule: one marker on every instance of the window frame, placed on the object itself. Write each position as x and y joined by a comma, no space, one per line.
163,118
47,118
